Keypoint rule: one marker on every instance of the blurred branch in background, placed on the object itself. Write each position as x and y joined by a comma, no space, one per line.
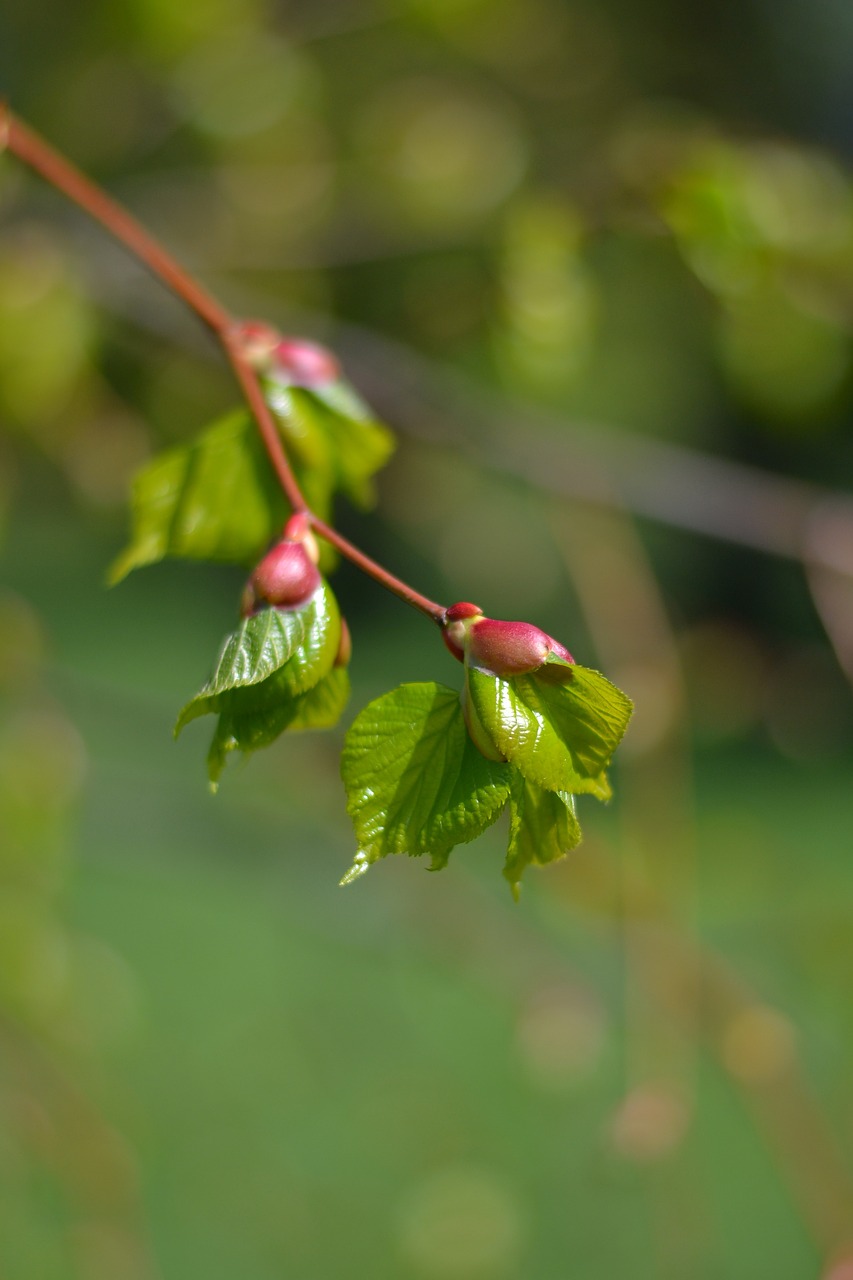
679,994
673,484
626,617
434,402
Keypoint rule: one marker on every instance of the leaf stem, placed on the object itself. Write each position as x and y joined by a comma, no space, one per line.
63,176
269,433
30,148
381,575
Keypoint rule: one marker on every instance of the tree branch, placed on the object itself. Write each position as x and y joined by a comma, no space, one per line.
30,148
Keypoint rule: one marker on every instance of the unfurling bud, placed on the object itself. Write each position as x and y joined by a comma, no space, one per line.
298,529
287,577
306,363
295,360
503,648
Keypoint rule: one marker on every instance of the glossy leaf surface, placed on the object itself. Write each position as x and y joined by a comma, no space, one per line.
217,498
336,443
559,726
318,708
273,655
415,782
213,499
542,827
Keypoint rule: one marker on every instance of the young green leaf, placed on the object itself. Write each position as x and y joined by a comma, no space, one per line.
415,782
360,444
559,726
333,436
542,827
273,655
247,731
213,499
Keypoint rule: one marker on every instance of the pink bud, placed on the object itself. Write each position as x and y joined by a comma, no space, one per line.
457,623
298,529
507,648
464,609
286,577
306,363
503,648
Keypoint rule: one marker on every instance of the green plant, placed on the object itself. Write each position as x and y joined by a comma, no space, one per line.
424,769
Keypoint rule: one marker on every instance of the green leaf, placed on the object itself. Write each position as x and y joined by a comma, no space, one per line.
334,439
559,726
542,827
273,655
322,706
317,708
415,782
360,444
217,498
213,499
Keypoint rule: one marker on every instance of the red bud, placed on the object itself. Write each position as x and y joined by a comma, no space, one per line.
503,648
286,577
464,609
307,363
454,633
298,529
507,648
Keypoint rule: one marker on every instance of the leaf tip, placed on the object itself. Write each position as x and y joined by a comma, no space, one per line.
118,569
361,863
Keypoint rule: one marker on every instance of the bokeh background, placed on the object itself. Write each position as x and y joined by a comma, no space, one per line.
595,263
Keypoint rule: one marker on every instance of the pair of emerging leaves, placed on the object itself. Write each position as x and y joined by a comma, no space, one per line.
217,497
415,781
417,784
277,671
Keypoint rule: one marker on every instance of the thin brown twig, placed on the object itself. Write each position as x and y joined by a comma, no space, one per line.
671,970
374,570
30,148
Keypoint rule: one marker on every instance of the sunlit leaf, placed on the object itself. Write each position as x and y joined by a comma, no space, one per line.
559,726
415,782
542,827
318,708
217,497
213,499
273,655
335,437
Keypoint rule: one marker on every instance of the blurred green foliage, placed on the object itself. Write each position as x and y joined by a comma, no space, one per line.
213,1062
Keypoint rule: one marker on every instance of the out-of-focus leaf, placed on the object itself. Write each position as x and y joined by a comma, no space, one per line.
217,497
318,708
273,655
213,499
415,782
46,337
361,445
542,827
338,442
559,726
